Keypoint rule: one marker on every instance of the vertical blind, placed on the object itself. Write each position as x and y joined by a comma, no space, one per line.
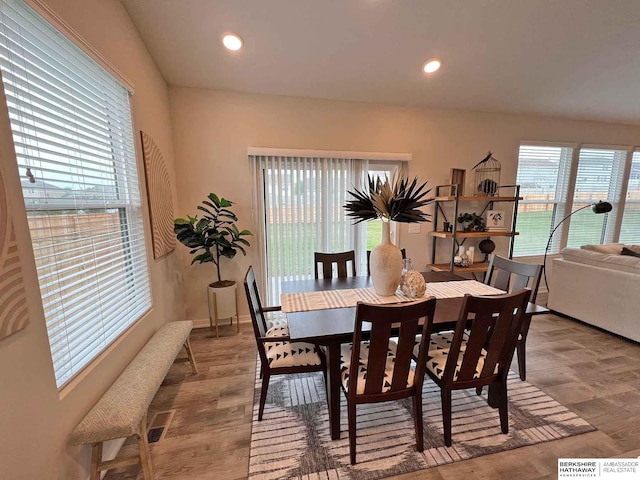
599,177
302,212
73,137
543,176
630,229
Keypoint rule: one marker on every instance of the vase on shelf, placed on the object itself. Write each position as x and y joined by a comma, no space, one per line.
461,259
386,264
486,246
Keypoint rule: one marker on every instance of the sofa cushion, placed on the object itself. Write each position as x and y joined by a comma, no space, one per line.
614,248
622,263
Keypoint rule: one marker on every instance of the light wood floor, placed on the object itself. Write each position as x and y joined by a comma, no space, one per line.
595,374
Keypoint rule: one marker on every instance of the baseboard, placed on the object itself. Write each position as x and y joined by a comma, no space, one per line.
206,322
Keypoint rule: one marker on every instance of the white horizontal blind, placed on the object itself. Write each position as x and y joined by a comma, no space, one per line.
73,137
543,176
599,177
630,229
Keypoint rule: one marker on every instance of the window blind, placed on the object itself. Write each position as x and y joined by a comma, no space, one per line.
599,177
302,213
543,176
298,206
73,137
630,229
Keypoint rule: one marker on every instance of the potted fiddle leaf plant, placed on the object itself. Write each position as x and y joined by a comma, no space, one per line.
211,238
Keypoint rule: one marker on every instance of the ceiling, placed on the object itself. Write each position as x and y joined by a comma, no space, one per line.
564,58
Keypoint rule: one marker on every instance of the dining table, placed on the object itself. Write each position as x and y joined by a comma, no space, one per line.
327,317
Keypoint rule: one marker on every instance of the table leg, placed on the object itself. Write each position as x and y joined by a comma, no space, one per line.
333,388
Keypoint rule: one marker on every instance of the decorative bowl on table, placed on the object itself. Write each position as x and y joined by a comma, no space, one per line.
413,284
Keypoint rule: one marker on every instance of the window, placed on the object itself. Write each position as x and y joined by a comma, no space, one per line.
72,131
299,203
543,174
553,186
599,177
630,229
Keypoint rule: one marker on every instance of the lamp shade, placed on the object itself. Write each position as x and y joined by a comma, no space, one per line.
602,207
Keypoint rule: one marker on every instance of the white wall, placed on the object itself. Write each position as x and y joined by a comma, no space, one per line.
212,130
35,419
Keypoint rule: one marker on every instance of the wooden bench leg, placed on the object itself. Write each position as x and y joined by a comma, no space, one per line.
145,452
192,359
96,460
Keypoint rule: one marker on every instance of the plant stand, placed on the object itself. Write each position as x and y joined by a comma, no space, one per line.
223,303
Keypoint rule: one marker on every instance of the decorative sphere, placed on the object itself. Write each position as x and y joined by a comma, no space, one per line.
413,284
487,187
487,246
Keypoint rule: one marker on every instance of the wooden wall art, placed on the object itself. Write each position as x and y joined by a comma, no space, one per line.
458,178
14,315
160,197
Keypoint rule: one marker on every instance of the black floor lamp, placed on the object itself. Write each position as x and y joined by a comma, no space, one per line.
598,208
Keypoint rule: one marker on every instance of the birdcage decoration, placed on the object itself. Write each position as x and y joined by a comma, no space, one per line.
486,176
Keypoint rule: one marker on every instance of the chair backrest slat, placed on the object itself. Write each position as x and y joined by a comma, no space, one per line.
402,320
406,342
495,322
512,276
255,309
327,260
378,347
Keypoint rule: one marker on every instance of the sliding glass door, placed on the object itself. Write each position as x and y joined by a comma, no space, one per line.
299,205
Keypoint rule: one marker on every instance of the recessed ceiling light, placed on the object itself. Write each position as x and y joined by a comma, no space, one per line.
432,65
232,41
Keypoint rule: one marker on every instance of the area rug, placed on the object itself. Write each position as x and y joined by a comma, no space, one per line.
293,439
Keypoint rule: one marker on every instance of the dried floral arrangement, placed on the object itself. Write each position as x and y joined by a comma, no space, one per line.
396,199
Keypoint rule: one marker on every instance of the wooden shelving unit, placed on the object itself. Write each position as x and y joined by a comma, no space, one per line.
456,237
475,267
492,233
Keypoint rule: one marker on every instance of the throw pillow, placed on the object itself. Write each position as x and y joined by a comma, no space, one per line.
614,248
635,248
628,251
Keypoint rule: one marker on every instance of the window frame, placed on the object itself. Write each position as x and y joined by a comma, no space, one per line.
617,189
108,169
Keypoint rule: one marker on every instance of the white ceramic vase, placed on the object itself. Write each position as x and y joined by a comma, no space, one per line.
386,264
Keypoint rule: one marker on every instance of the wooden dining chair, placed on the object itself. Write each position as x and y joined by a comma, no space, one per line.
477,355
278,355
340,260
379,369
512,276
402,251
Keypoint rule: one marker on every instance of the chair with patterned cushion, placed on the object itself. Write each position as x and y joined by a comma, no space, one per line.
512,276
278,355
379,369
340,260
478,355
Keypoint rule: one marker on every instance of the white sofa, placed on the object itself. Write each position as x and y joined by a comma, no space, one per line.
599,286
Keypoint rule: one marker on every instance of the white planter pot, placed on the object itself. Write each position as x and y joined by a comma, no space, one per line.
222,304
386,264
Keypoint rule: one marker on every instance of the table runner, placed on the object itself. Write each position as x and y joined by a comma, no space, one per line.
305,301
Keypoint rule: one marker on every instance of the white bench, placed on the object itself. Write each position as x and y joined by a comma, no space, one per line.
122,410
